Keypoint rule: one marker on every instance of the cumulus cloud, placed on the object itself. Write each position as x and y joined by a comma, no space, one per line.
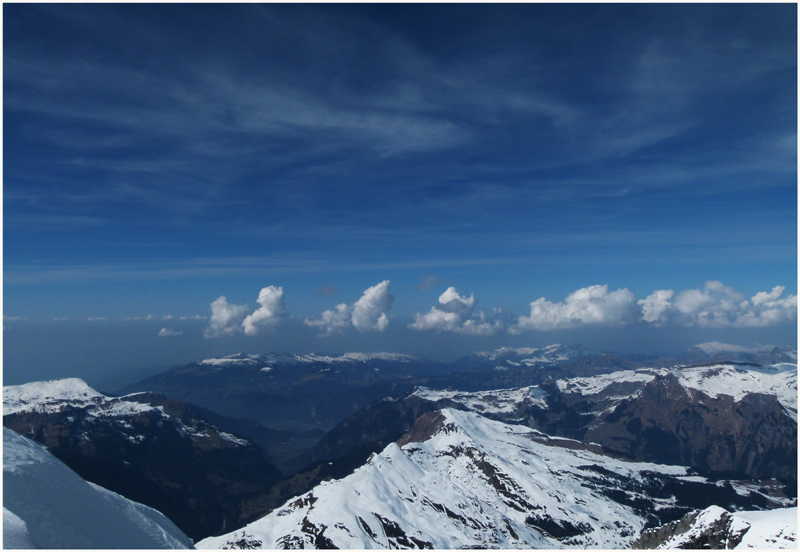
367,314
656,305
166,332
226,319
333,321
271,313
589,305
454,313
717,305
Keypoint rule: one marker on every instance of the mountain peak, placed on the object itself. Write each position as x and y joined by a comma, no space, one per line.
20,397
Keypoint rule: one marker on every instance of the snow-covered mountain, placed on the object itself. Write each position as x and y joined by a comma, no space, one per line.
157,451
521,357
460,480
717,528
714,380
723,417
245,359
760,354
47,505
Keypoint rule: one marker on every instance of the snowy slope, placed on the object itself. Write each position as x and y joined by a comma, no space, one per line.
47,505
472,482
779,380
498,401
715,527
734,380
525,357
58,395
770,529
43,396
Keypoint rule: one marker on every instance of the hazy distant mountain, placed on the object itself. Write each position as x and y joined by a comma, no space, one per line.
521,357
715,351
297,393
47,505
157,451
458,479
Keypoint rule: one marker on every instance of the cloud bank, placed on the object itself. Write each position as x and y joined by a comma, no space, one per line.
454,313
365,315
718,305
715,306
167,332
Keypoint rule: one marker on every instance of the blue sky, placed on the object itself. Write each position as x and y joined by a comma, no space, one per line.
157,157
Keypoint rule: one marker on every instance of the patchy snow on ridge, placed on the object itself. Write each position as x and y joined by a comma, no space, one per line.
499,401
473,483
47,505
55,395
240,359
596,384
357,357
529,356
18,398
737,381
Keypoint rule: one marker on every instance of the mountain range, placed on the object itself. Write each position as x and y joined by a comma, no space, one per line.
282,450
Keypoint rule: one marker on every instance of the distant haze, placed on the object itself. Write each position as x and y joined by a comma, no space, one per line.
111,355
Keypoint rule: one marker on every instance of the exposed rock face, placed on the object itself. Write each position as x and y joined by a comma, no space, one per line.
716,528
460,480
670,424
646,415
154,450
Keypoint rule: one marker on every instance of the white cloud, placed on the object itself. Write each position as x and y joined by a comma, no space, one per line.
270,314
717,305
167,317
166,332
366,314
95,318
369,312
454,313
655,305
195,317
333,321
226,319
590,305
